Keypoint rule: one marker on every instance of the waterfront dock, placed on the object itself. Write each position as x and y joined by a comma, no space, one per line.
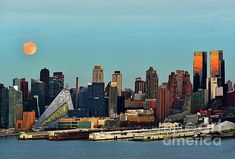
116,135
143,134
225,129
151,134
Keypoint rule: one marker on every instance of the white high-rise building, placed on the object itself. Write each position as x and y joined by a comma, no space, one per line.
214,87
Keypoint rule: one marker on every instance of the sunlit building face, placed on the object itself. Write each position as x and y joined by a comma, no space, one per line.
198,62
98,74
200,70
216,58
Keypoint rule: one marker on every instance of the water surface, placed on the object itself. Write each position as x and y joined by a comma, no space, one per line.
43,149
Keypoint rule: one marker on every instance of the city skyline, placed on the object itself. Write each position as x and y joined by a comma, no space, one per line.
179,94
128,36
95,77
104,76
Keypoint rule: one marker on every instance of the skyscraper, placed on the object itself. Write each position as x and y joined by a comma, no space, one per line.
56,85
96,100
44,77
230,85
199,100
184,86
217,65
59,77
4,106
217,73
151,83
74,95
117,77
37,92
172,86
223,72
121,104
215,88
23,85
199,70
139,85
77,91
17,82
180,88
83,98
113,98
163,106
187,85
180,82
98,74
15,105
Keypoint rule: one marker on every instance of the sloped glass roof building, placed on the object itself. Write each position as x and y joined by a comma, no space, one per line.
57,109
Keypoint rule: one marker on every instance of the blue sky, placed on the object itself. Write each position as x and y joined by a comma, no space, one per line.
127,35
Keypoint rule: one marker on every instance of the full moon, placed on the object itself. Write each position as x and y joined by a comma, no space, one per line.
29,48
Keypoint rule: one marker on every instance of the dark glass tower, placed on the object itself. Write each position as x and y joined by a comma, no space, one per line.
223,72
24,87
4,106
37,92
96,100
44,77
56,85
83,98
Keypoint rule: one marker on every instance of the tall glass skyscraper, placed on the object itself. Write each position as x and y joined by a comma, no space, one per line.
216,84
199,70
56,85
37,92
96,100
44,77
83,98
217,65
24,87
4,106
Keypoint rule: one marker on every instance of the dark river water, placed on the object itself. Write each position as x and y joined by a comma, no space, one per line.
43,149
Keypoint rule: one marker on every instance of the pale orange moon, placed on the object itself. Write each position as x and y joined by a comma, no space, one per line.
29,48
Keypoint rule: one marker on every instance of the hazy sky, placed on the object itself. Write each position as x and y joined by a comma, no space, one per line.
127,35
